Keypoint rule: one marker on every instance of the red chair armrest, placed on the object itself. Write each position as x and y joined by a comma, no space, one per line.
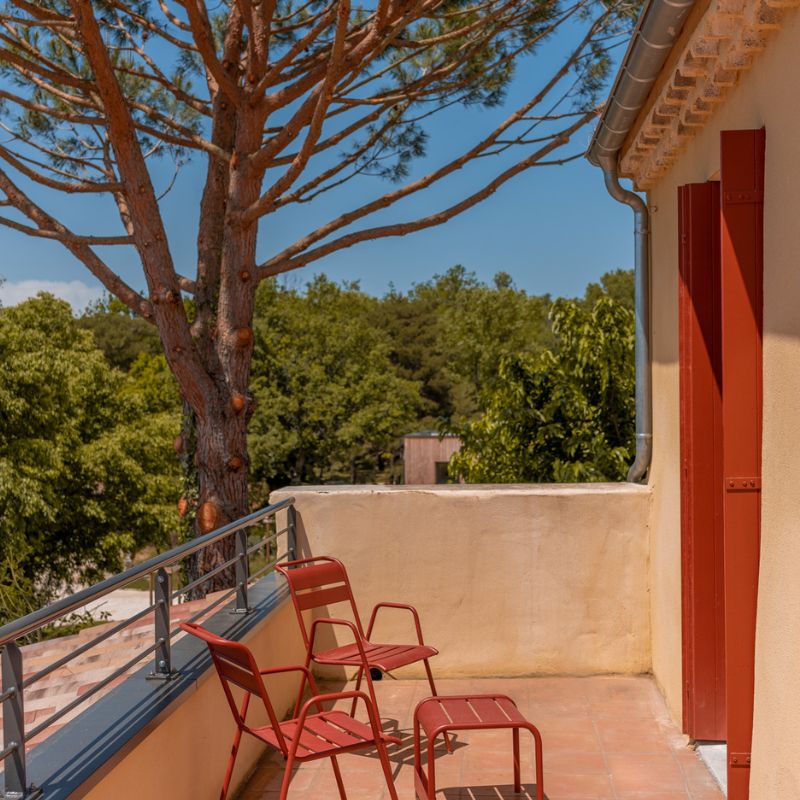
330,697
401,606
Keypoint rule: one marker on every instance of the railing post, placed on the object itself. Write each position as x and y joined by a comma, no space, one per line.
291,533
15,780
242,570
163,601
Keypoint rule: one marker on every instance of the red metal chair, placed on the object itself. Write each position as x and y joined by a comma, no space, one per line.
305,737
323,581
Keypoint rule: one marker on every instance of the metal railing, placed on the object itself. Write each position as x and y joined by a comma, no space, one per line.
14,682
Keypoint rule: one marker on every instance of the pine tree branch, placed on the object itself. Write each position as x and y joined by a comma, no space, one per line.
283,263
70,187
322,100
148,228
49,227
310,189
203,36
66,236
275,70
442,172
152,27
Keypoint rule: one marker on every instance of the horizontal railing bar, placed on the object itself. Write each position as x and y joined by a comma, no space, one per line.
260,572
87,694
261,542
6,752
37,619
203,578
84,647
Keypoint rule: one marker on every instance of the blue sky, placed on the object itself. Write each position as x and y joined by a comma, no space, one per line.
553,229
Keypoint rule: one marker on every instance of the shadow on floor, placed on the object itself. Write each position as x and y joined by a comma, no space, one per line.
401,755
605,737
489,792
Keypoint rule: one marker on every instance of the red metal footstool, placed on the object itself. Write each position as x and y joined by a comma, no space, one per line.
437,715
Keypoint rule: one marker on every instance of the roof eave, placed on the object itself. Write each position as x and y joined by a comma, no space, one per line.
658,28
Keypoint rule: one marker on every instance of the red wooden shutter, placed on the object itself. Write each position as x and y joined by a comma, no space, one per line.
701,462
742,179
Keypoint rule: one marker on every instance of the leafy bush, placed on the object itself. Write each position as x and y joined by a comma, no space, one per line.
564,415
87,472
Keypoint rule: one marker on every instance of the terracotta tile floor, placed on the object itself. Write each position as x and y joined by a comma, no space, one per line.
605,738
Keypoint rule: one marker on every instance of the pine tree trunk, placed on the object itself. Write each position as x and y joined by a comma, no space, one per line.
215,475
224,334
220,457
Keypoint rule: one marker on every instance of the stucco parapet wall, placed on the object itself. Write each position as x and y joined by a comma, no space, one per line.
725,42
475,489
511,580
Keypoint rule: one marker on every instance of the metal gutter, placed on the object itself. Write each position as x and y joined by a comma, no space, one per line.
660,23
644,389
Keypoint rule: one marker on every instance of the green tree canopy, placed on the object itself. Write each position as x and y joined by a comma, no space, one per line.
565,414
87,472
617,284
483,324
329,400
121,335
450,333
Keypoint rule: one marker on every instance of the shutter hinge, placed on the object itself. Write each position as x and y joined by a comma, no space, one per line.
739,760
751,196
743,484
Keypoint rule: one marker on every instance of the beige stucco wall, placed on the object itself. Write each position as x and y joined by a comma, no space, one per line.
766,96
511,580
184,754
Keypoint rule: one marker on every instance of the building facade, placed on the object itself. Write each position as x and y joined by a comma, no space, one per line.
426,455
715,145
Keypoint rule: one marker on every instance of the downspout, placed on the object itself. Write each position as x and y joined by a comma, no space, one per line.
658,28
644,369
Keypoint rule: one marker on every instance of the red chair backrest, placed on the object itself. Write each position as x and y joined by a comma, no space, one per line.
316,582
236,666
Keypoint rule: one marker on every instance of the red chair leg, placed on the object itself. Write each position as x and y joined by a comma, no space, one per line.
338,775
299,702
517,770
537,745
447,743
431,770
371,689
380,746
287,777
418,773
237,740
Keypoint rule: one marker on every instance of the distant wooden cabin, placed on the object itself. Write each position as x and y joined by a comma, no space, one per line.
426,455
